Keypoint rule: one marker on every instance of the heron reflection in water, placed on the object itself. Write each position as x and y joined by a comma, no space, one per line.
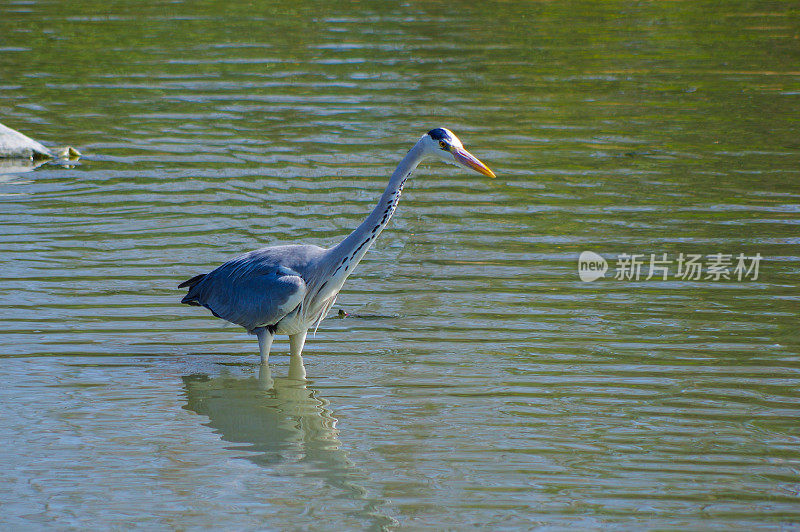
290,289
278,421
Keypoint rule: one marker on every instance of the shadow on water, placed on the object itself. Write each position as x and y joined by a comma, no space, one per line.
279,421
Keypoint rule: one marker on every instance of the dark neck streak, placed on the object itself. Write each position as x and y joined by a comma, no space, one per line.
340,260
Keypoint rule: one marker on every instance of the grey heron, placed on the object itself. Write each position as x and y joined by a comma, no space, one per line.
289,289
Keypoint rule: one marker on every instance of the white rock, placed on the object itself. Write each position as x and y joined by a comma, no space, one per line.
14,144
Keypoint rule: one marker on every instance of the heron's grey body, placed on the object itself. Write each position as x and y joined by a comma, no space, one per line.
258,289
289,289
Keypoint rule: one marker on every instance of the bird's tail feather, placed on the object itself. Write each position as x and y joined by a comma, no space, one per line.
193,281
191,296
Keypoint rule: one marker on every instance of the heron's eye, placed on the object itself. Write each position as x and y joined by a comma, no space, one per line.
443,145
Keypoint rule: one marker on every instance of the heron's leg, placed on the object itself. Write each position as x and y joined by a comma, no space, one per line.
264,343
296,343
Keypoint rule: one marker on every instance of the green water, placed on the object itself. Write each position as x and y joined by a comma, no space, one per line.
478,382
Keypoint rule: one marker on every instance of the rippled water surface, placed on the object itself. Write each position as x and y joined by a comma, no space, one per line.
477,381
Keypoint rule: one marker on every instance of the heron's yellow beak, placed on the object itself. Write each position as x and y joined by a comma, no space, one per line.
468,160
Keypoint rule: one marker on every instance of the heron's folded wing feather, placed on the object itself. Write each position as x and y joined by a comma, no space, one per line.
251,294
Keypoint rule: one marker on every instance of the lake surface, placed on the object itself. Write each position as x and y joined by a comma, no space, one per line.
478,381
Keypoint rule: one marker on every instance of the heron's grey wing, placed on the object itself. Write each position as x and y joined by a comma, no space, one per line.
249,292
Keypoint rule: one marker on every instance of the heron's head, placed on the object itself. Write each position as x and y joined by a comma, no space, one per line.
444,145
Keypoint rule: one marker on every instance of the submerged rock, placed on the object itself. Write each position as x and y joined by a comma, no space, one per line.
68,152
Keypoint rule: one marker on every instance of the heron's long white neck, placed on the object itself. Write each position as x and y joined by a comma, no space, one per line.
341,259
